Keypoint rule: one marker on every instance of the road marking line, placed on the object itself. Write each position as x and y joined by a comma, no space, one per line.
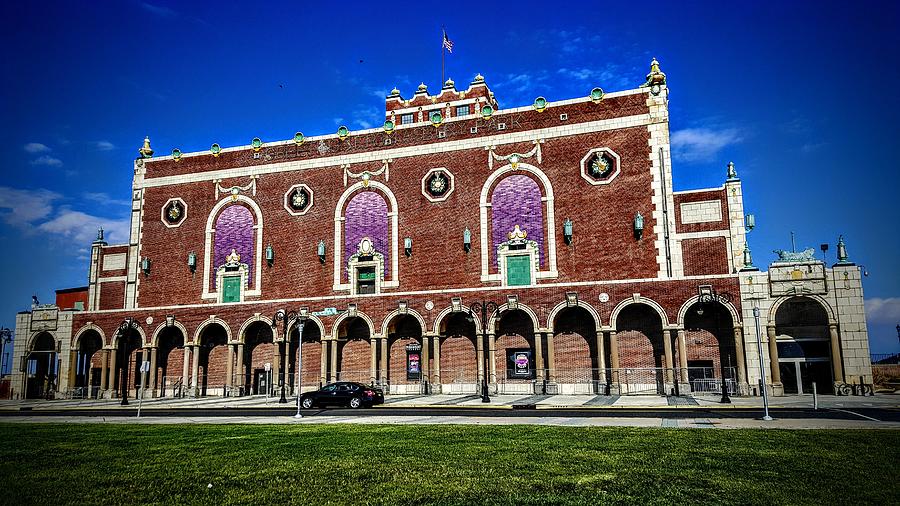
857,414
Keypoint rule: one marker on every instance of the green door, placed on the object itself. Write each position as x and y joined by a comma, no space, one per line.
518,270
232,289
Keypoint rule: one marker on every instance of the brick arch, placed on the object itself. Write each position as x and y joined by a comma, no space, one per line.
446,313
575,341
614,315
395,313
393,232
492,323
336,326
76,341
154,340
735,316
209,321
242,333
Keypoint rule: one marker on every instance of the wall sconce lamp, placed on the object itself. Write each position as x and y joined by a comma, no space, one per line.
638,226
145,266
321,251
567,231
192,262
749,222
270,255
407,246
467,240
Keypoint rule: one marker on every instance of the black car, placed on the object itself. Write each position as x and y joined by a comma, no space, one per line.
343,393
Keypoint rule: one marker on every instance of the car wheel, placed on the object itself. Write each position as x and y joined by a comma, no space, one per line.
355,402
307,403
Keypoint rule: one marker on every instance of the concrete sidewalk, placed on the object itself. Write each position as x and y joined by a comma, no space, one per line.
890,401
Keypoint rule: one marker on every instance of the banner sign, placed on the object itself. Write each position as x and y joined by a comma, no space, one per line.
413,361
519,365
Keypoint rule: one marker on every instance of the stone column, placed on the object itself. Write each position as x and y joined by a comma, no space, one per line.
373,362
384,360
492,356
73,369
479,357
836,364
426,356
286,374
276,368
539,357
229,370
113,357
241,375
601,357
682,355
436,371
185,370
104,370
551,358
614,357
323,365
667,356
334,349
741,359
195,373
773,356
153,352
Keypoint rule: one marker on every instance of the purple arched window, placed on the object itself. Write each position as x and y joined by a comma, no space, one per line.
234,230
516,200
366,216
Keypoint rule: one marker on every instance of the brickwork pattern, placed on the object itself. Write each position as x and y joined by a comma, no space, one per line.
705,255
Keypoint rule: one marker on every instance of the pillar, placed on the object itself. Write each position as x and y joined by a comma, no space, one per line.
614,356
426,356
773,356
373,359
186,369
551,358
195,370
276,367
682,355
479,357
229,370
539,357
492,356
384,360
113,357
667,355
73,369
436,372
741,359
323,365
241,376
334,371
836,364
104,370
286,374
601,357
153,352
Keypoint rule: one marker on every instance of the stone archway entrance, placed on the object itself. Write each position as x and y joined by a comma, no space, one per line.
41,368
803,339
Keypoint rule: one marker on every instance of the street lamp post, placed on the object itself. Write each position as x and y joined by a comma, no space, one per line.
124,333
898,332
286,317
6,338
486,311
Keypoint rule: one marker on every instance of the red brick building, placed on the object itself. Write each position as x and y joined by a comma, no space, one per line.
606,280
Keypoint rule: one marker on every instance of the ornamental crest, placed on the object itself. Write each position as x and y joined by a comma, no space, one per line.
517,236
807,255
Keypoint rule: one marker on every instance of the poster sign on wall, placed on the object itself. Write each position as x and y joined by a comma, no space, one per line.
413,361
518,364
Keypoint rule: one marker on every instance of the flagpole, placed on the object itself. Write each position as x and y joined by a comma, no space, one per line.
443,36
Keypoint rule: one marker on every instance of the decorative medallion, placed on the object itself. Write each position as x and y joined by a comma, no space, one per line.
256,144
366,247
215,149
298,199
343,132
429,305
176,154
436,118
597,95
437,184
540,104
389,126
487,111
173,212
299,138
600,166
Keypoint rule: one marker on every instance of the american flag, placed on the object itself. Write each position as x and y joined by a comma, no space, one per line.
448,43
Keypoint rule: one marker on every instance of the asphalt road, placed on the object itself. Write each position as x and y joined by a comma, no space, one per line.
681,412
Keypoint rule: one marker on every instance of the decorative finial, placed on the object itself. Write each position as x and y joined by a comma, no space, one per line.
748,260
100,234
478,78
449,83
842,251
656,77
732,174
395,92
146,151
422,88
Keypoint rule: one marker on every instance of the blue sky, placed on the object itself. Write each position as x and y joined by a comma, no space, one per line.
800,96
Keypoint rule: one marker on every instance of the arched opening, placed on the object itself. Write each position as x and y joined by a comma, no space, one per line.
709,348
170,362
517,249
88,365
458,361
515,355
259,350
129,356
804,351
213,359
641,350
41,368
233,257
354,350
576,353
310,358
407,362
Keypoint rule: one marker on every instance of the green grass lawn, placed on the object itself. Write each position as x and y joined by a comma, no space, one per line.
410,464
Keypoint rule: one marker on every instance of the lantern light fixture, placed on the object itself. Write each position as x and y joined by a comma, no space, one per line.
567,231
145,266
192,261
749,222
321,251
467,240
638,226
407,246
270,255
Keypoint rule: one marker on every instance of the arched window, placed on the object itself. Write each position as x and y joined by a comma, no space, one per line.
516,200
234,233
367,216
232,250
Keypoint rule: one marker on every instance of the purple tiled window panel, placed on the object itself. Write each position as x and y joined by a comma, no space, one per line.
517,201
366,216
234,230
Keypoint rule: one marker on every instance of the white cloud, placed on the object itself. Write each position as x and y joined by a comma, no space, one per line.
883,310
21,208
701,144
608,76
81,227
159,10
104,198
47,160
36,147
105,145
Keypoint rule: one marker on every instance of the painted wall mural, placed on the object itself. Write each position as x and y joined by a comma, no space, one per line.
516,200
